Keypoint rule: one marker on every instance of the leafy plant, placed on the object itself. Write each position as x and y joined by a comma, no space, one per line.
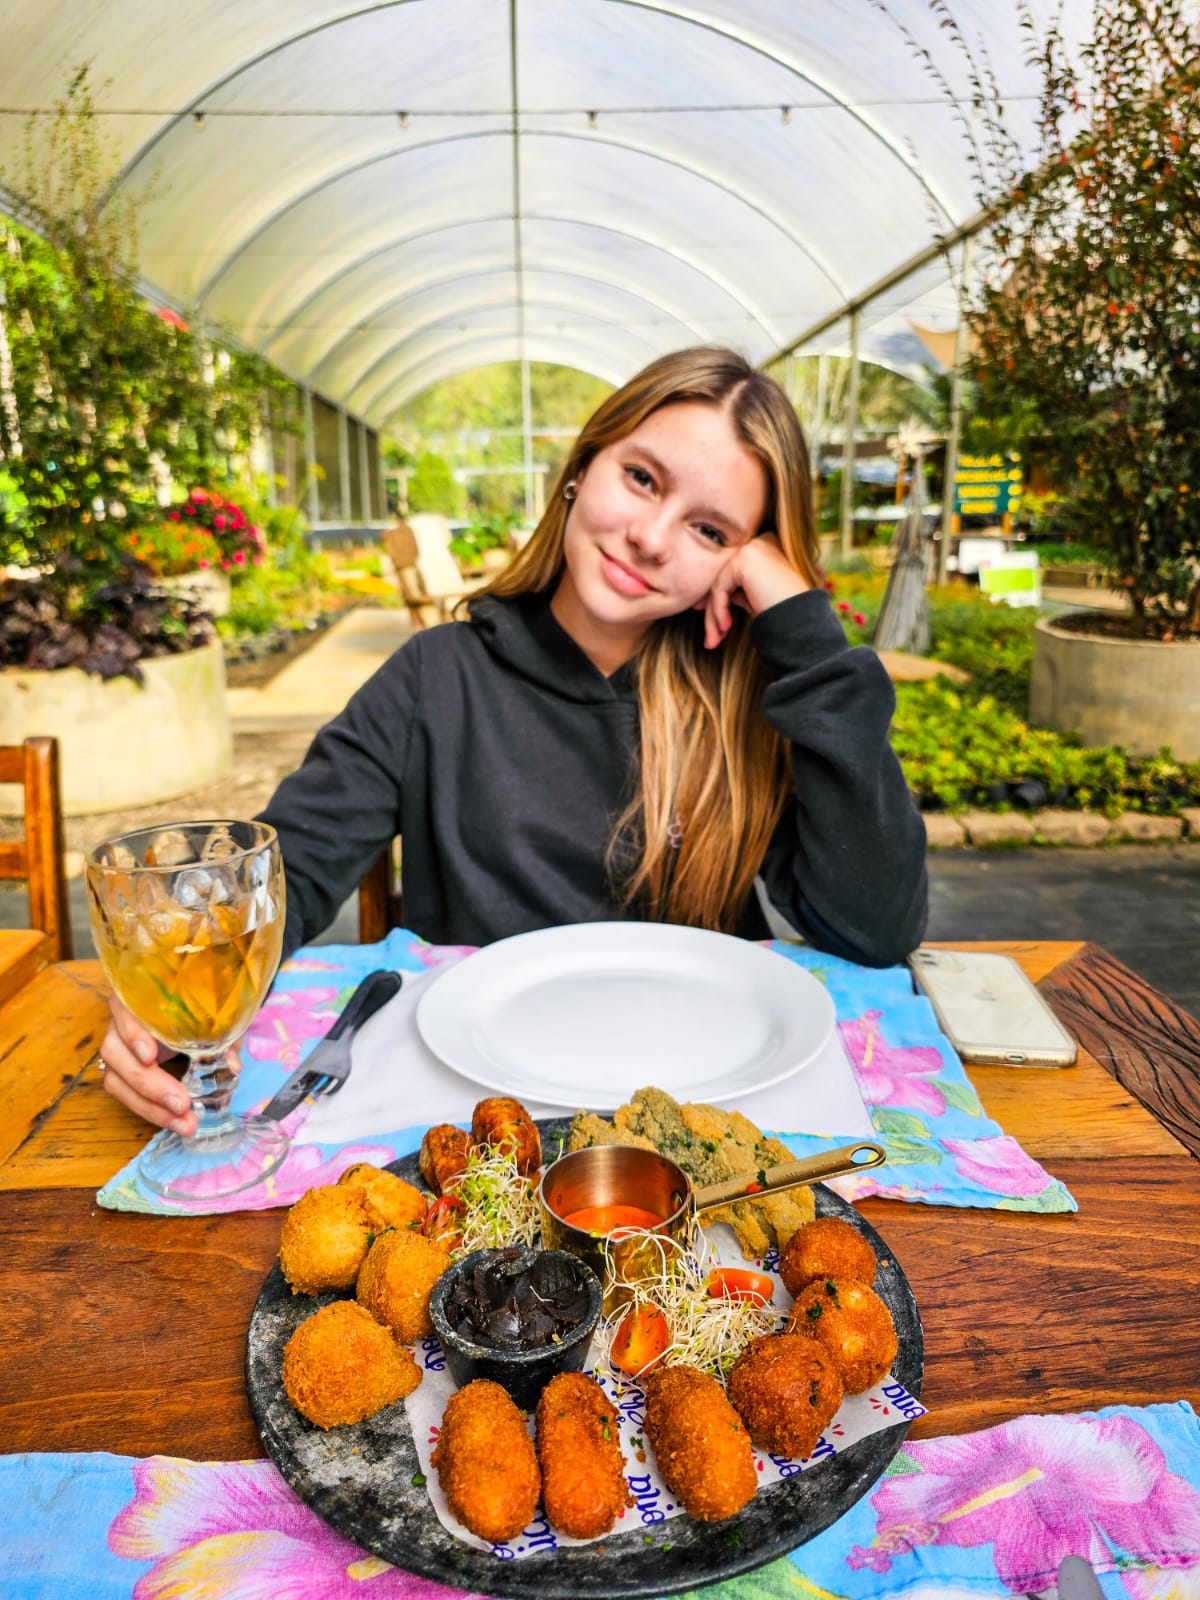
166,549
1089,311
489,531
238,541
105,399
108,632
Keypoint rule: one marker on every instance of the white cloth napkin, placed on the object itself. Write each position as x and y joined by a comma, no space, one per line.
397,1082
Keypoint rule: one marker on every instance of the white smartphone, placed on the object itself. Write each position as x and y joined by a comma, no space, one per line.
989,1010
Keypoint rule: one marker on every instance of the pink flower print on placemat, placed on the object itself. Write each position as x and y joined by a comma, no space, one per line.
997,1164
289,1018
235,1531
1036,1490
440,955
893,1075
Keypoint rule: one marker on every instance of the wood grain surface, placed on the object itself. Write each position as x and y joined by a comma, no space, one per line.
23,954
127,1333
1149,1044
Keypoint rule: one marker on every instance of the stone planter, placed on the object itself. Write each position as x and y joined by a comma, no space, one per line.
1133,692
124,744
208,587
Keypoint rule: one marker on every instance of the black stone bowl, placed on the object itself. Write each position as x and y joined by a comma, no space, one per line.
523,1373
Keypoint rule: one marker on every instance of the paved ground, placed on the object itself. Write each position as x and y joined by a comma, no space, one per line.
1141,901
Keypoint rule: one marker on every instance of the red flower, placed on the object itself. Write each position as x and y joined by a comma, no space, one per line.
240,557
859,618
198,494
842,606
218,521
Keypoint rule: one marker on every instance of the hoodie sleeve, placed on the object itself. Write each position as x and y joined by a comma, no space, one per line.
341,806
846,865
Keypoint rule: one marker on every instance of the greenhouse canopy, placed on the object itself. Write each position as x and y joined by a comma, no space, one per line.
378,196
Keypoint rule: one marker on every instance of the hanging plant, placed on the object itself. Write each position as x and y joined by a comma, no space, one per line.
102,398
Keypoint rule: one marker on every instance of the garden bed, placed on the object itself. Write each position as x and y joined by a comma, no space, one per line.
970,746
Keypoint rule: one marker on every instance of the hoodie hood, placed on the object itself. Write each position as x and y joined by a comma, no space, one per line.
523,634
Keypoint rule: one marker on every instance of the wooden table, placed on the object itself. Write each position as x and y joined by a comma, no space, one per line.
126,1333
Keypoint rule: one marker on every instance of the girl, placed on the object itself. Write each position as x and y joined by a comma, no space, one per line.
652,707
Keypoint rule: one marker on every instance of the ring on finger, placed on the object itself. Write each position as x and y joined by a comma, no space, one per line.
101,1064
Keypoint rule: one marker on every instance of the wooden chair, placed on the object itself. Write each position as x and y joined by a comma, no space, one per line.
380,898
38,859
426,606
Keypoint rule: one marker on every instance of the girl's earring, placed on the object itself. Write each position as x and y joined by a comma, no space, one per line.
570,490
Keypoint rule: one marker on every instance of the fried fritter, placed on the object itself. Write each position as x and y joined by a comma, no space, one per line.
710,1145
826,1248
388,1200
579,1452
341,1366
853,1324
786,1390
394,1283
443,1157
485,1462
506,1123
324,1239
702,1449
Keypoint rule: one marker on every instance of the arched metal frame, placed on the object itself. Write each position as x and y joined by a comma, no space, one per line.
820,275
471,303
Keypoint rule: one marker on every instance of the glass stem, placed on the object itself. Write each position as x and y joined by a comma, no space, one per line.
210,1082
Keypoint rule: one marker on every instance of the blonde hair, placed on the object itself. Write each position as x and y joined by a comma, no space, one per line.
713,775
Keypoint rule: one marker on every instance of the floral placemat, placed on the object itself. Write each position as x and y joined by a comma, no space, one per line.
942,1149
981,1515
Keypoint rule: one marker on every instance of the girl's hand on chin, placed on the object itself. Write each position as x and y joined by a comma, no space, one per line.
756,577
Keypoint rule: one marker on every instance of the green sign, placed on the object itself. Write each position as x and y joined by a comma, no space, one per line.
987,486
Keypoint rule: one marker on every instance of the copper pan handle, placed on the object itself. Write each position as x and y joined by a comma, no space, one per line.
858,1157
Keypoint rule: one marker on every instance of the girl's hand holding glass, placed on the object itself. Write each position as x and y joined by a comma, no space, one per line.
188,921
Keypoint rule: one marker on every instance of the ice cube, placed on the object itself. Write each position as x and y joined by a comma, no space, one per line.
192,888
170,848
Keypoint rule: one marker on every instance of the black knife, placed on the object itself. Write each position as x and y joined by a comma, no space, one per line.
328,1067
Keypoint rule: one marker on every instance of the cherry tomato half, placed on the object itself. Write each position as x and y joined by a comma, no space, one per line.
736,1283
443,1221
641,1339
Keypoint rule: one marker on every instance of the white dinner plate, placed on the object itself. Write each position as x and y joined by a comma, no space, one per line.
584,1015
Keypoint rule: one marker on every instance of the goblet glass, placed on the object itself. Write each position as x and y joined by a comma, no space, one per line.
188,921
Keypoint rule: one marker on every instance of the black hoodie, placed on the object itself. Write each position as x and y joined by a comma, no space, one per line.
502,756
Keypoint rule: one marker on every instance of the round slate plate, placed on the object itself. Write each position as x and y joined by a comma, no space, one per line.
359,1477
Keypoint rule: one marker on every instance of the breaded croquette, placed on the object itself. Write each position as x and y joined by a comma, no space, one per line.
389,1201
324,1239
506,1123
786,1390
826,1248
853,1325
394,1283
443,1157
485,1462
341,1366
702,1448
579,1452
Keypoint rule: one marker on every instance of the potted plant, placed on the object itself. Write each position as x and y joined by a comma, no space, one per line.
1088,314
103,403
484,545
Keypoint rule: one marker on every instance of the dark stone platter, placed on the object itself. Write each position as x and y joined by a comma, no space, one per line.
359,1477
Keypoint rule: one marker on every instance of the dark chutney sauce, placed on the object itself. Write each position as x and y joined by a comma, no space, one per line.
517,1299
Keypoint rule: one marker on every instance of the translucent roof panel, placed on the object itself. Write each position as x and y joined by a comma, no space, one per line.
378,195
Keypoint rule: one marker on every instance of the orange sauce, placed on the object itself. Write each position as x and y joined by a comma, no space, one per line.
608,1219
